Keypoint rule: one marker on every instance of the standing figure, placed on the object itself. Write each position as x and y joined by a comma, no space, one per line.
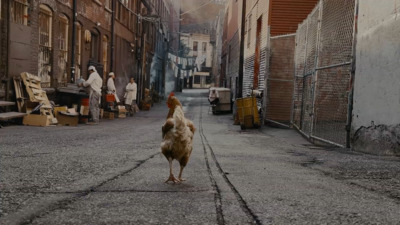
111,86
213,98
95,82
130,96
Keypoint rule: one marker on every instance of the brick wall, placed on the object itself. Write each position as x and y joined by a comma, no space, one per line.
92,15
3,47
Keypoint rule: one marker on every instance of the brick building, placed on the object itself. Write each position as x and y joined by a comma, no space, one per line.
59,39
262,20
3,47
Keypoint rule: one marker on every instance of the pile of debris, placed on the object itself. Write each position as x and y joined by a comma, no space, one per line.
37,110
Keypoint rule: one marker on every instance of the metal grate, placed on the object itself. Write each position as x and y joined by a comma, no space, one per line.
331,104
312,37
324,44
336,32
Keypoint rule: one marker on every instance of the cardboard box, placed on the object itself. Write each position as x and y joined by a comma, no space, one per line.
37,120
101,113
60,109
84,110
66,119
121,112
108,115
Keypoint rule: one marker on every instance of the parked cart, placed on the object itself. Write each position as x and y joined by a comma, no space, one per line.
225,102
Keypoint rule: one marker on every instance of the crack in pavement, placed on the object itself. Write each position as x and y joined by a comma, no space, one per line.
243,204
63,202
217,194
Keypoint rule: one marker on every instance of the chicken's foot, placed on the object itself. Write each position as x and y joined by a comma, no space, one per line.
173,179
180,175
171,176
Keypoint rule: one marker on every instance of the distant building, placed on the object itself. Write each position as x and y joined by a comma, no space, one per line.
197,63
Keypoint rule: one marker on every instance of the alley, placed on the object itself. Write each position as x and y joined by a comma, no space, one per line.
114,173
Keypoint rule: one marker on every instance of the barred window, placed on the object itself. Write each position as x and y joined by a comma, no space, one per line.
78,51
45,50
19,11
63,46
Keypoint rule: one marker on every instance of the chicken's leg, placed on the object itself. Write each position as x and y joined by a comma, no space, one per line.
171,176
180,174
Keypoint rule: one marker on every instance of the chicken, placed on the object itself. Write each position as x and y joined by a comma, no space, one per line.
177,138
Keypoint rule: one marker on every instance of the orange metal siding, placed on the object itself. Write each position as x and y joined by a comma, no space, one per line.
285,15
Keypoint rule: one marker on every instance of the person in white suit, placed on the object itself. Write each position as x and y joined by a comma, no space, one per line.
95,82
111,86
130,96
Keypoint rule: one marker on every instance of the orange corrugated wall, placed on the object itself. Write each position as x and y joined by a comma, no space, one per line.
285,15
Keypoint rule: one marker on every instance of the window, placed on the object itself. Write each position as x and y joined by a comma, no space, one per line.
94,46
125,2
63,46
197,79
78,51
45,45
195,45
19,11
105,54
204,47
108,4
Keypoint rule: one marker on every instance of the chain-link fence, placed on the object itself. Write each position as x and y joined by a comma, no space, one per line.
323,62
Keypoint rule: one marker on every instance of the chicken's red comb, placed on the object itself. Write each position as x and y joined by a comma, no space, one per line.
171,94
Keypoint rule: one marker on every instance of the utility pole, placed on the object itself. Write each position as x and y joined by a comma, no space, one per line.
239,93
178,79
113,5
74,21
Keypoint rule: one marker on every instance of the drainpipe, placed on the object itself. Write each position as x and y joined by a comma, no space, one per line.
8,24
112,35
75,14
353,71
241,59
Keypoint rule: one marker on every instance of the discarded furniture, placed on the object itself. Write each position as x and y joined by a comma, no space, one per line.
35,100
